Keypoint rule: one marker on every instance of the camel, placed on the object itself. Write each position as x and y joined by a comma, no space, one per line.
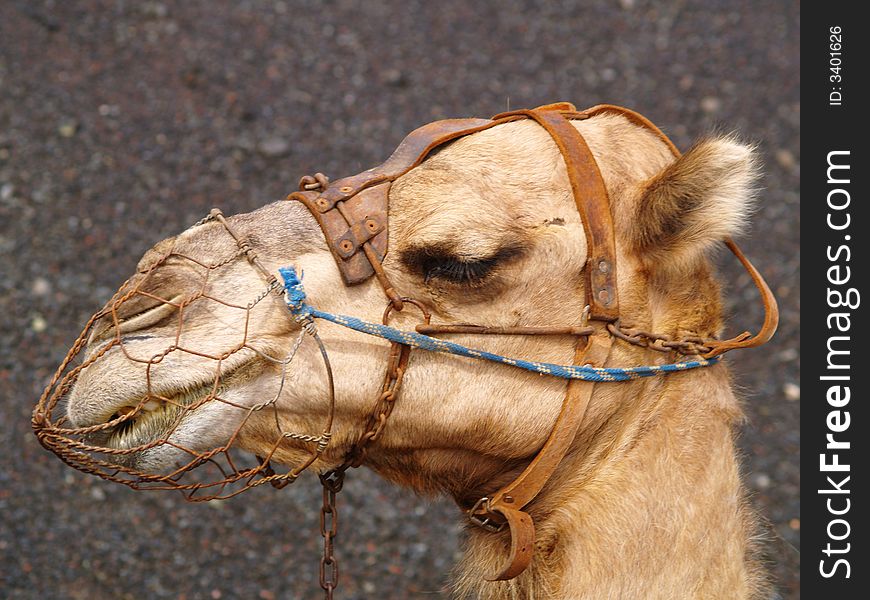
648,501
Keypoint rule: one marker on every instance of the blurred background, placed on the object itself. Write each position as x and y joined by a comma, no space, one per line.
122,122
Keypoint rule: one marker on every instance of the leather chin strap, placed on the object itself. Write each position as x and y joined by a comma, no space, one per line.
353,214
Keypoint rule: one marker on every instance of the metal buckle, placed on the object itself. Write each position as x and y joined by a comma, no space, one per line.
485,522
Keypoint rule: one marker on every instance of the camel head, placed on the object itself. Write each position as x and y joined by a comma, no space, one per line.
194,351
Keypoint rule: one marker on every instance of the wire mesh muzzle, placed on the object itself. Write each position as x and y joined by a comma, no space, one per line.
105,450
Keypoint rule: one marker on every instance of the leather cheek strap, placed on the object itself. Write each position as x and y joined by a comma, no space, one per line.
509,500
591,198
593,204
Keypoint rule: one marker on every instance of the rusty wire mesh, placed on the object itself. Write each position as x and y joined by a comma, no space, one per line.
216,473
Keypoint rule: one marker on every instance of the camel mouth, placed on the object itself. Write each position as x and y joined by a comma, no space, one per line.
140,424
152,418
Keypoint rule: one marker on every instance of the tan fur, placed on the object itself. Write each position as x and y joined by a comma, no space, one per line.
699,199
648,503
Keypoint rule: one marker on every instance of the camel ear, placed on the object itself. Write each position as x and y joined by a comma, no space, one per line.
698,200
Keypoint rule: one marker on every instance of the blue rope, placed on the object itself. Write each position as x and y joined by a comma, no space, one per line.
295,298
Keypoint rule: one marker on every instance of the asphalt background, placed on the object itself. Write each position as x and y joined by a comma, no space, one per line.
123,122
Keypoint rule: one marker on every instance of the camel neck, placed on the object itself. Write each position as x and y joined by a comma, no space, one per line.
660,500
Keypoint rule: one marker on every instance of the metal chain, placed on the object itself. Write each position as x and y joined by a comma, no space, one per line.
689,345
397,363
332,482
396,366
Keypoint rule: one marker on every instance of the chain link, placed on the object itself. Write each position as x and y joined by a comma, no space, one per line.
689,345
332,482
396,365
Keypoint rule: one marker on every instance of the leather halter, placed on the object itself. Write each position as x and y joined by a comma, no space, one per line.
353,214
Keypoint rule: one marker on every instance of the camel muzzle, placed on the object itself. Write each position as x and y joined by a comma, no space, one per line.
119,438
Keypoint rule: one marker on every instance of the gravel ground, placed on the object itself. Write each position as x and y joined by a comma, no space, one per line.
122,122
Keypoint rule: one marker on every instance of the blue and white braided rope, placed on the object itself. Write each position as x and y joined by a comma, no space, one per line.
295,298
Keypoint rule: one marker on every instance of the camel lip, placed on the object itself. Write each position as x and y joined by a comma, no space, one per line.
125,414
152,419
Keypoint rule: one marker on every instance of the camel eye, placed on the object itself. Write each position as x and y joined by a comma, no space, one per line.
457,270
470,271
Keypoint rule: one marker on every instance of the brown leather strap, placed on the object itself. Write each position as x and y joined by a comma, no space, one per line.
590,196
634,117
527,485
522,490
353,211
410,152
522,532
347,231
593,204
771,311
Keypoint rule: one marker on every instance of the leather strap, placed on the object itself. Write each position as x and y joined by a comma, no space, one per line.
410,152
771,311
593,204
522,533
509,500
342,229
590,196
634,117
353,211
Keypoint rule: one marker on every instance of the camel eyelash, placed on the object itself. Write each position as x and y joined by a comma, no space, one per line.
456,270
451,268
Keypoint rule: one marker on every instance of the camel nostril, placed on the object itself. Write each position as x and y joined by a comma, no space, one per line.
142,320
